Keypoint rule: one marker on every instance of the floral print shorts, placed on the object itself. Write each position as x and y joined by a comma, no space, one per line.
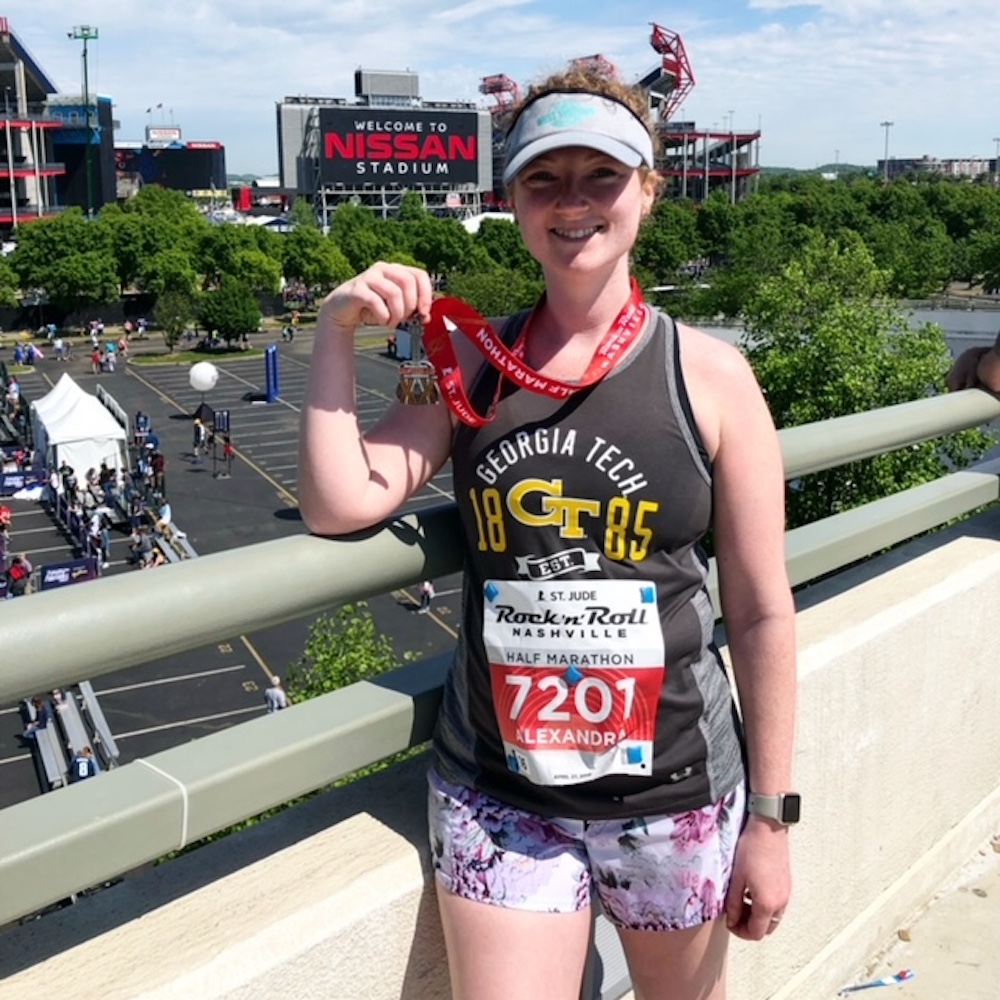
654,873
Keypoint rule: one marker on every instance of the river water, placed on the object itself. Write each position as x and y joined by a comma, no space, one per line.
962,327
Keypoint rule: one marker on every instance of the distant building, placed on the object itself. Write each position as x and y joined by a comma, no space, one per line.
971,167
197,166
85,144
29,167
387,142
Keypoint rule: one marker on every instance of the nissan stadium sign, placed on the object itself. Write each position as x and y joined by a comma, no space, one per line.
405,146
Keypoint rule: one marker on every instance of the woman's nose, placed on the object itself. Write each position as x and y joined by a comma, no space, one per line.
571,192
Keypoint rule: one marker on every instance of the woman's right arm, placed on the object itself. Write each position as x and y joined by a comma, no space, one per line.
349,480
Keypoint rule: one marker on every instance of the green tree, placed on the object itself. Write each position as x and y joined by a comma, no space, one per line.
361,237
137,237
314,259
9,283
238,251
82,279
302,215
411,207
168,270
497,292
175,308
229,310
444,245
825,341
172,208
342,649
45,242
501,239
716,219
258,270
667,241
762,242
917,254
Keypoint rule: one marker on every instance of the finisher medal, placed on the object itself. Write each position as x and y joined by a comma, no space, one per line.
417,382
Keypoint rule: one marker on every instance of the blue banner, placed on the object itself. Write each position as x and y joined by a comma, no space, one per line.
65,573
13,482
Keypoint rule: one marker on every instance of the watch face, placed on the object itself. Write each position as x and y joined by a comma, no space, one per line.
791,808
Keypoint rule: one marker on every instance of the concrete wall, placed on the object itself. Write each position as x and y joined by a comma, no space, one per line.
898,761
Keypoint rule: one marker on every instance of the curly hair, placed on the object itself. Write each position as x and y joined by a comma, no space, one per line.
591,80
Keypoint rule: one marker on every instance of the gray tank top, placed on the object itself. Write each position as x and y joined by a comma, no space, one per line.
586,683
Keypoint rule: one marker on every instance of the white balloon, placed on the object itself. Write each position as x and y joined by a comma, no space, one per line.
203,376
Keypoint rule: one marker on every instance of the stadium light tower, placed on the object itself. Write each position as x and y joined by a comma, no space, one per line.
885,159
86,33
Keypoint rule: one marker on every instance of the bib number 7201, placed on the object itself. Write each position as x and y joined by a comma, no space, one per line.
592,698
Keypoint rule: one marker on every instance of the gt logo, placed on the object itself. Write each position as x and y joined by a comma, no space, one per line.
556,510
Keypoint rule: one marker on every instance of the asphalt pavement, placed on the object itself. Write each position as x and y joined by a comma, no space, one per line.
159,704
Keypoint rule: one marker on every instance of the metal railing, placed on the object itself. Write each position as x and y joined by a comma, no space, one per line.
58,844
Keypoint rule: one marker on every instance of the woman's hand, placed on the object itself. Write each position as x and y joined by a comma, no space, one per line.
383,295
963,371
761,883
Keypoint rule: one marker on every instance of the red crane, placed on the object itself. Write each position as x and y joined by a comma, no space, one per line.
596,62
672,81
504,90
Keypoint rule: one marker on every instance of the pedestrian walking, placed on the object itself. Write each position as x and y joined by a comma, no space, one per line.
275,697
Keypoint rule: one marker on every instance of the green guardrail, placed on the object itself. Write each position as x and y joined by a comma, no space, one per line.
55,845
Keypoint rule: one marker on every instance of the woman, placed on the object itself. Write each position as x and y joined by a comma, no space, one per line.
587,739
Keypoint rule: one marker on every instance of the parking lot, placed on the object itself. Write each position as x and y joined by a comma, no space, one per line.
164,702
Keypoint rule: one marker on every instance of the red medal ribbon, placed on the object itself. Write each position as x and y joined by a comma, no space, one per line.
450,314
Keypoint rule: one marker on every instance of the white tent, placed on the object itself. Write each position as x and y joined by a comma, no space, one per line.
69,424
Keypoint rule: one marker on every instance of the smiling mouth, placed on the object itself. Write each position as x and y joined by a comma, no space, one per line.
577,234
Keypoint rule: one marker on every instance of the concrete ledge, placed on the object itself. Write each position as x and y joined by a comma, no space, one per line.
898,754
329,899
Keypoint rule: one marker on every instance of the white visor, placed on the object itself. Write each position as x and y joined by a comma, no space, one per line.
563,119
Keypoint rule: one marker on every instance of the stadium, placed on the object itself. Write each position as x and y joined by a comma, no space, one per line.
61,149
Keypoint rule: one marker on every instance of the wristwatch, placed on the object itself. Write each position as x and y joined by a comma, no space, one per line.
784,808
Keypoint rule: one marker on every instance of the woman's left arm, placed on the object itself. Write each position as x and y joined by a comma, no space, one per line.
759,614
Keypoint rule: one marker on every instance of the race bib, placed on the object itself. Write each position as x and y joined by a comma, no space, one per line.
576,671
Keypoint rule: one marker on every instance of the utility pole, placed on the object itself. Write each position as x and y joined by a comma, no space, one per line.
87,33
885,160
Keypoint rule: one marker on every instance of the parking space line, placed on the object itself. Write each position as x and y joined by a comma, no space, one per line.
172,680
256,710
268,672
14,760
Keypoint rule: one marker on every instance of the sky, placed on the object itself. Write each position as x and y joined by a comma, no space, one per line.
817,78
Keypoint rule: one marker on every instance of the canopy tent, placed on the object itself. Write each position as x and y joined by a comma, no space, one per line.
71,425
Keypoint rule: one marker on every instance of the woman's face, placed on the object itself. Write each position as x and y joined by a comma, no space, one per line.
579,210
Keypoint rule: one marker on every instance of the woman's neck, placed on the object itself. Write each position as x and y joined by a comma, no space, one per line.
572,322
584,308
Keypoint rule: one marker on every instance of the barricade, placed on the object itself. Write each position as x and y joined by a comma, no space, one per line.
104,741
67,714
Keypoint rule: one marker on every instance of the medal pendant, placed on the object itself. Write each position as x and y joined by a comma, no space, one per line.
417,382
